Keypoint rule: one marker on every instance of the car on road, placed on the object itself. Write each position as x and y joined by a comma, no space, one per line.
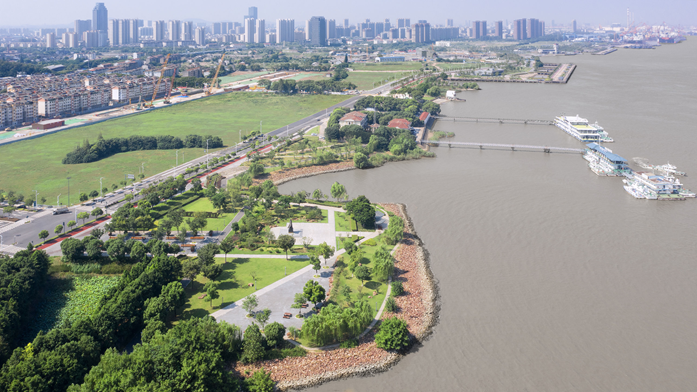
60,210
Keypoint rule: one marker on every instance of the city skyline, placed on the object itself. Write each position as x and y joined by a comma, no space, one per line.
592,12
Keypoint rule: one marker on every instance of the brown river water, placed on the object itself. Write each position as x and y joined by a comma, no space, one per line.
552,278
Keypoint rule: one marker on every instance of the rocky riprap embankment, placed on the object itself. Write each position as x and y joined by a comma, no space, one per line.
418,307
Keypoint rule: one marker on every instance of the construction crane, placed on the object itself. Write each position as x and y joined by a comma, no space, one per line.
157,86
171,87
210,89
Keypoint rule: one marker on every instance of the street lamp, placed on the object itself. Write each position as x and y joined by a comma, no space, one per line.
36,198
68,191
142,166
58,200
177,161
101,188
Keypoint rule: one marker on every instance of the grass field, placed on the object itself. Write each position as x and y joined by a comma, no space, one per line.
365,80
402,66
36,164
204,204
234,283
240,76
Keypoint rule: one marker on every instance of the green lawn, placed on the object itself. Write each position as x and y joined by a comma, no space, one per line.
36,164
302,218
240,76
401,66
297,250
365,80
233,283
342,221
204,204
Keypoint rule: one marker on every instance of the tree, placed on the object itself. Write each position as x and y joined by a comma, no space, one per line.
138,251
384,263
72,250
196,185
207,253
338,191
58,229
362,211
362,273
317,194
325,251
274,334
212,271
97,233
97,212
83,216
262,317
211,289
219,201
227,245
94,248
314,292
190,270
300,300
252,345
83,196
116,250
250,303
256,168
260,382
395,230
8,209
393,334
286,242
314,261
43,234
360,160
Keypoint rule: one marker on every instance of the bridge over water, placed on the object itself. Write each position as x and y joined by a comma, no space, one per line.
512,147
495,120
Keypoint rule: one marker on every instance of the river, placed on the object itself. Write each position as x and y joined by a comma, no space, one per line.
551,278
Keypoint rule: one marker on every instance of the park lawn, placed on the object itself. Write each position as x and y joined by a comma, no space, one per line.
175,202
342,220
205,205
240,76
297,250
400,66
303,217
233,283
367,80
36,164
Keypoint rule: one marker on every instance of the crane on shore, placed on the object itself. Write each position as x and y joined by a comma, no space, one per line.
209,91
171,87
157,86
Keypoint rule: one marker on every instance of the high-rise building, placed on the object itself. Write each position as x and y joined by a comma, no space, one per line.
100,18
249,29
217,28
285,30
331,28
133,32
476,29
174,30
51,40
260,31
498,28
91,38
145,32
200,36
318,29
81,26
252,12
403,23
573,25
69,40
114,36
187,31
421,32
158,33
449,23
346,23
519,29
387,25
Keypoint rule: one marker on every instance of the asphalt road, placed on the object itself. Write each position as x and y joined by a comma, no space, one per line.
29,232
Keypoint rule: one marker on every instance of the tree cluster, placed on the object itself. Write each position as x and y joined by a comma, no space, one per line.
105,148
289,86
11,69
61,357
21,277
334,323
362,211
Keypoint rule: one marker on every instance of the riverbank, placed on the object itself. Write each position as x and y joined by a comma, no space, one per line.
282,176
418,307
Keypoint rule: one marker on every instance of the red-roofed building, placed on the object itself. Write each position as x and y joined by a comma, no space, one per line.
354,118
399,123
424,116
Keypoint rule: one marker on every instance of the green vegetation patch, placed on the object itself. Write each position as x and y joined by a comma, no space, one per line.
399,66
369,80
36,164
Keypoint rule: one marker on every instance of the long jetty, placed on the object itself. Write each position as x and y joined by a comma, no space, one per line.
512,147
496,120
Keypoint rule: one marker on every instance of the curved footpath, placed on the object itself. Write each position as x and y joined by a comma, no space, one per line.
418,307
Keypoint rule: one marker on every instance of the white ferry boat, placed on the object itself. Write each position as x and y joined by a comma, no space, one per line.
656,187
580,129
603,162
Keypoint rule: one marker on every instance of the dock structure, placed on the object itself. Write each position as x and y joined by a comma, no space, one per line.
496,120
512,147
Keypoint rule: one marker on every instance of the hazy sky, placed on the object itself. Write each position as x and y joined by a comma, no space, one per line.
55,13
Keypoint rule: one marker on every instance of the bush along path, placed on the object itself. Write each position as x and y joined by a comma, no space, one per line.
418,307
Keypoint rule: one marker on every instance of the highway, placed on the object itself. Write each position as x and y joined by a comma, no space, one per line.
22,234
